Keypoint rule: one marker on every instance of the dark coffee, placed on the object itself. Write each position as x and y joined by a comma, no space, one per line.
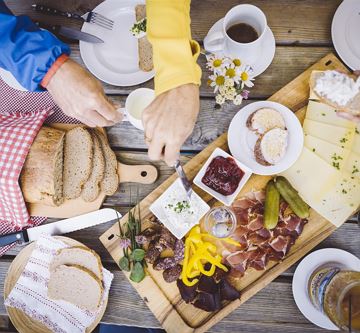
242,33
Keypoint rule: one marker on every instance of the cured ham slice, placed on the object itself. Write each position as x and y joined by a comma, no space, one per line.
281,244
259,260
256,223
238,260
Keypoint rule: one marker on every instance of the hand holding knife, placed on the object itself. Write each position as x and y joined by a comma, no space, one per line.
184,180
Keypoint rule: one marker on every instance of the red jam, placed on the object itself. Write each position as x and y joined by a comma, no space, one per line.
223,175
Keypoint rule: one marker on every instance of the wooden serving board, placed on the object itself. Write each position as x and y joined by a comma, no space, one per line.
163,298
142,174
22,322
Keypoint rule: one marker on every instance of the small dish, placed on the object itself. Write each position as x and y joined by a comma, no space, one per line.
225,199
242,140
179,223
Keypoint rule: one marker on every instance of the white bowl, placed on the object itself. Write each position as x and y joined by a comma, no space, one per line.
242,141
225,199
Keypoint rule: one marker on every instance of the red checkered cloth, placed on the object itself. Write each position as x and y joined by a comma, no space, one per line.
21,117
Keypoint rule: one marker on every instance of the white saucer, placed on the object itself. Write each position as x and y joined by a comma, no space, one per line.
302,274
345,30
268,49
10,80
242,141
116,60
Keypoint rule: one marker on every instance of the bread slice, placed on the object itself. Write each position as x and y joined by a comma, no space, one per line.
41,178
270,148
265,119
78,255
110,182
77,285
78,160
144,46
91,188
352,106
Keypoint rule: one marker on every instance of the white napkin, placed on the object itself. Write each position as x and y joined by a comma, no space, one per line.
30,292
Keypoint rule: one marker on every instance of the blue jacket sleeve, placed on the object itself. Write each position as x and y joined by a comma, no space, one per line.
27,51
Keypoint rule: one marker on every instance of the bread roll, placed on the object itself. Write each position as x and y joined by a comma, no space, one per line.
41,178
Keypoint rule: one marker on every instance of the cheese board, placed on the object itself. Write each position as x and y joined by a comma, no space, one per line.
142,174
22,322
163,298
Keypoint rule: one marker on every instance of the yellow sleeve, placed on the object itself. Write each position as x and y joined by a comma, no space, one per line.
175,53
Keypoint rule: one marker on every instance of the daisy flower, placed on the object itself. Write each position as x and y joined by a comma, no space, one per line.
232,73
246,77
217,81
238,100
236,62
220,99
215,63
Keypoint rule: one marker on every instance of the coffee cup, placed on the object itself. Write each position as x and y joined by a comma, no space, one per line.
248,52
135,104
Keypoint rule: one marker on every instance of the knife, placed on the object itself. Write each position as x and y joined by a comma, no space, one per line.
61,227
70,33
184,180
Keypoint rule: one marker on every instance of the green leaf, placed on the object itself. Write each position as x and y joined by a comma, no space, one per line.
124,264
137,273
138,254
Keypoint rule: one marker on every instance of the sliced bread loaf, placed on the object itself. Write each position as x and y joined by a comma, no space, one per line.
78,255
91,188
77,285
144,46
42,175
78,157
110,182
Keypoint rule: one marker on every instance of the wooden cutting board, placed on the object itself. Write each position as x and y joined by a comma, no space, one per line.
22,322
163,298
142,174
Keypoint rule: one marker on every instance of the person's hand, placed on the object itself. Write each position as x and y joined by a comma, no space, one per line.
169,120
81,96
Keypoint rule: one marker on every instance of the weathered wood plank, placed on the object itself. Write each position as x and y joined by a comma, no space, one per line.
125,307
292,21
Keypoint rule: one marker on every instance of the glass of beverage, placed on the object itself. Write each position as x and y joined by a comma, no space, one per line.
220,222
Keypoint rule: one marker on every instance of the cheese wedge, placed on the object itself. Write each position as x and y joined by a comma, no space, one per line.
332,154
340,136
326,114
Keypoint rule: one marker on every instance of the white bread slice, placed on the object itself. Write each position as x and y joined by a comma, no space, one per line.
352,107
91,188
110,182
144,47
78,157
42,174
76,285
78,255
265,119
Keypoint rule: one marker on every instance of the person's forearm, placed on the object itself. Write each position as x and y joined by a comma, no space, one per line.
175,54
27,51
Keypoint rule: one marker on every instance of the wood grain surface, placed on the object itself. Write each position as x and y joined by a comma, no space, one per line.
302,33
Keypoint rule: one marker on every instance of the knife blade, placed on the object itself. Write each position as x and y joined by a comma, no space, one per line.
184,180
61,227
71,33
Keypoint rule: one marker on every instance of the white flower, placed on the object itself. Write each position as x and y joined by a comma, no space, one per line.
230,93
220,99
217,81
216,63
229,82
246,77
238,100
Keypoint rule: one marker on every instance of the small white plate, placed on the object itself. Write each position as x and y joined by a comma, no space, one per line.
115,61
225,199
242,141
10,80
178,228
345,30
302,275
268,49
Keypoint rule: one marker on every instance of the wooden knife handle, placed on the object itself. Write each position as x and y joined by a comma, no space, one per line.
143,174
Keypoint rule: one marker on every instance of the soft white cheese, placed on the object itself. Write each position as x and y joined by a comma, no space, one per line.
337,87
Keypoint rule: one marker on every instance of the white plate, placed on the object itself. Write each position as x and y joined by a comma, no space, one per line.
242,141
268,49
10,80
178,228
302,275
228,199
115,61
345,30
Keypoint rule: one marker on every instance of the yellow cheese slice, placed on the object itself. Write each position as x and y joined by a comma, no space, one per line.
356,145
352,164
340,136
326,114
332,154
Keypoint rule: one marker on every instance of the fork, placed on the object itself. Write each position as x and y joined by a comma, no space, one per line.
90,17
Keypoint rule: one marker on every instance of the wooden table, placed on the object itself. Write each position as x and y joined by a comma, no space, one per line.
302,32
